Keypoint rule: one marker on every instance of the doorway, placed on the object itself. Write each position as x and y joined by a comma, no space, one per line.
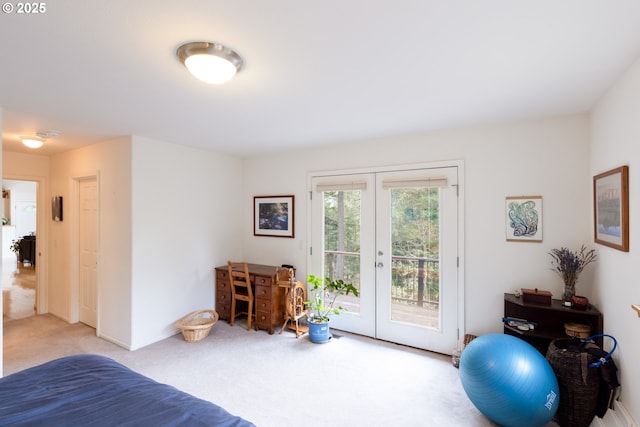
394,234
87,202
19,254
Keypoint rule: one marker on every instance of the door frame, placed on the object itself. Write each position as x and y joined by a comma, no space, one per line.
74,291
43,210
461,209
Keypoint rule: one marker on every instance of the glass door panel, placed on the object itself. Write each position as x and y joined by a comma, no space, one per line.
416,259
342,228
415,256
343,225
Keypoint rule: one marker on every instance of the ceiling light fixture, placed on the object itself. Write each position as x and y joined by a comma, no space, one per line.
210,62
32,141
38,141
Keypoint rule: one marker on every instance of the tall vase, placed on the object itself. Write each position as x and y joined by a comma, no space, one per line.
569,291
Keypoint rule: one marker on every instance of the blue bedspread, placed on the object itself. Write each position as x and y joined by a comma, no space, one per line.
91,390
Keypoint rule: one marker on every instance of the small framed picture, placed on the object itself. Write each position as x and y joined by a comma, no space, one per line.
523,218
611,208
56,208
273,216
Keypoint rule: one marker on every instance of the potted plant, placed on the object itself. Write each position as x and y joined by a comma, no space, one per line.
322,305
569,264
15,246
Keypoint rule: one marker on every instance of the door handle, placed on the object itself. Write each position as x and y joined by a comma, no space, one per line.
379,265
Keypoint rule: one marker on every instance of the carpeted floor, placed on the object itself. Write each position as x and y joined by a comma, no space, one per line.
274,380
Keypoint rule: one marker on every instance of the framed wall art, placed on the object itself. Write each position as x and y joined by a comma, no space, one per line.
523,218
611,208
273,216
56,208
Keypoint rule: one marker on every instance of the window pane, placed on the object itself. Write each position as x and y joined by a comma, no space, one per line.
415,246
342,241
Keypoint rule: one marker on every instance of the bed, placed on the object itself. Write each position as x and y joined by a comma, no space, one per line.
95,390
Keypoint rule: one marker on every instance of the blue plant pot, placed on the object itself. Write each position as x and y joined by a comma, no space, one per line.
319,332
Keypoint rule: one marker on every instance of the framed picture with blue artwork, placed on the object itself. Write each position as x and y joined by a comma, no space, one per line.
611,208
273,216
523,218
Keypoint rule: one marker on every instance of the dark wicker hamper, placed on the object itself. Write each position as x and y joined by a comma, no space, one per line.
578,365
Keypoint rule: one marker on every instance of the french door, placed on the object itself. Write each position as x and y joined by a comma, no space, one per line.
394,235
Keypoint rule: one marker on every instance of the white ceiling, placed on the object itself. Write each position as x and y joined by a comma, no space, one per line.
317,72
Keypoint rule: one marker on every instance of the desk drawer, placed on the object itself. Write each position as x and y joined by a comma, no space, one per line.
223,286
264,315
262,281
223,298
263,292
263,305
223,309
222,274
263,321
223,294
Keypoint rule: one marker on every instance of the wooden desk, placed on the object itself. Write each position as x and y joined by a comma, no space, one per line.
269,296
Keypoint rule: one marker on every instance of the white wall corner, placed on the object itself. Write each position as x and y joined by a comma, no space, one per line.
616,417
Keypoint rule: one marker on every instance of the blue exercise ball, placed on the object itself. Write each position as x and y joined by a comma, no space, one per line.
509,381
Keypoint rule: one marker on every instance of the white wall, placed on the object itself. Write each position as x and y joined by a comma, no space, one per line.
186,204
615,132
1,254
110,162
543,157
24,166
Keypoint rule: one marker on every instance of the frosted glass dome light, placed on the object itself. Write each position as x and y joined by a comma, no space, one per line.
210,62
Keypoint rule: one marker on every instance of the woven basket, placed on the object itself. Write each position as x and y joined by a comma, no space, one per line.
578,384
577,330
197,325
468,338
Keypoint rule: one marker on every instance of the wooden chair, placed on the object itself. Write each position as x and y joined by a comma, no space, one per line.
240,291
295,296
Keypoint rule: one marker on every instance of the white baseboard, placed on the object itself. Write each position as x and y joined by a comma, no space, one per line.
616,417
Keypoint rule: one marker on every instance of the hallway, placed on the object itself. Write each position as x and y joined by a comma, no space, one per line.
18,289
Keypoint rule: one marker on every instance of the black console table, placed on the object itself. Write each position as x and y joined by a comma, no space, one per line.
27,250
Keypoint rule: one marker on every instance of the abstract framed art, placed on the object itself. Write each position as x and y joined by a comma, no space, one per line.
523,218
273,216
611,208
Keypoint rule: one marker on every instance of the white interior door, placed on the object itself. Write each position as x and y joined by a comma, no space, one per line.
394,235
88,250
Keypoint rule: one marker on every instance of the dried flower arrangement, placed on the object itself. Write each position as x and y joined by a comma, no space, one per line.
569,264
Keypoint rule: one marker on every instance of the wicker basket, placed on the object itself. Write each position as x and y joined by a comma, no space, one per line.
578,384
577,330
468,338
197,325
